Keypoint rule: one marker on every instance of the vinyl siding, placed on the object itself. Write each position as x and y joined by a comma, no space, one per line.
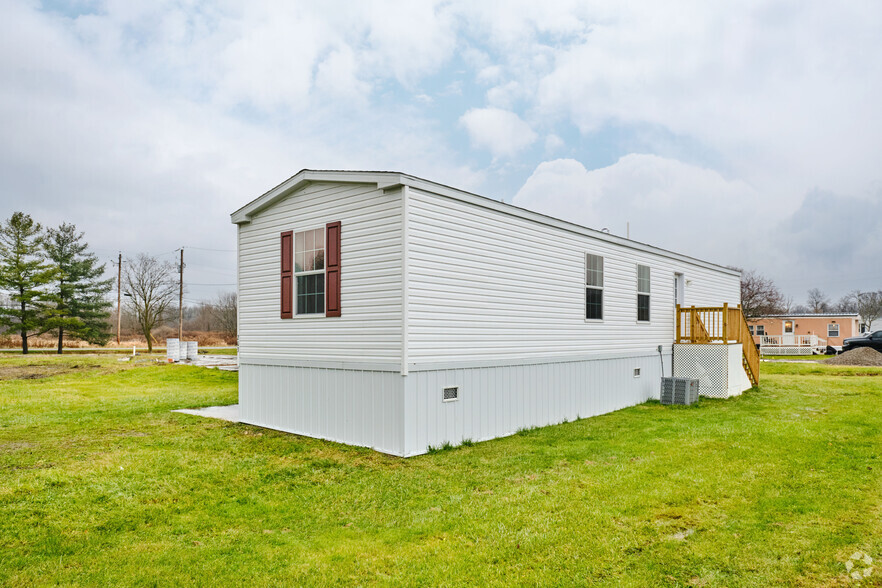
369,329
488,285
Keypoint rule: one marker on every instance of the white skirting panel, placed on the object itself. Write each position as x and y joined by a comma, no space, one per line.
356,407
499,400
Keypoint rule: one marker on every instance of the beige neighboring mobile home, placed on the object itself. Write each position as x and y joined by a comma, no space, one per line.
803,334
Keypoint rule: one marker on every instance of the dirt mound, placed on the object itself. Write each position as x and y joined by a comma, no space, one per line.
863,356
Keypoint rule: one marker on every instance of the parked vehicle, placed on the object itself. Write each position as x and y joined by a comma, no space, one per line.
872,340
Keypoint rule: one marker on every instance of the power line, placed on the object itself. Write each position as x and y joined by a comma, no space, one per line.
192,284
168,252
210,249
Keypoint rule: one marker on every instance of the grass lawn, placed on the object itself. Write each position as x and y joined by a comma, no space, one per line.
797,357
101,485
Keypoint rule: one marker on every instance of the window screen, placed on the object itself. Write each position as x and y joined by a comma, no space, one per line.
642,292
309,271
593,287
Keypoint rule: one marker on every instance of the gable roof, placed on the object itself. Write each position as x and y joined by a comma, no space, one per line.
392,179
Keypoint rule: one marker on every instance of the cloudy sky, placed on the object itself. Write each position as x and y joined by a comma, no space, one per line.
744,133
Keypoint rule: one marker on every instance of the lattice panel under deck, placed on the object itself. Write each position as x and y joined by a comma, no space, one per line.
709,364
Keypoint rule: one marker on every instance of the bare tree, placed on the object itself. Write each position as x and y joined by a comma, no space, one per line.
818,301
866,304
199,317
759,295
226,310
787,305
150,291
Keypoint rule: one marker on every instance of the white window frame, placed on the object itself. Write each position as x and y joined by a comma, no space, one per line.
322,271
761,330
594,287
644,293
829,326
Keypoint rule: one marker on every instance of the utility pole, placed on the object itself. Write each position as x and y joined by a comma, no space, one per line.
181,300
118,296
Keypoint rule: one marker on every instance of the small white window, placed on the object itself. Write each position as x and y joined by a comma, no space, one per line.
593,287
750,328
450,393
636,372
760,330
832,330
643,293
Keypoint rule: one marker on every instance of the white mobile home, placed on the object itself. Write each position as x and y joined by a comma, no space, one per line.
384,310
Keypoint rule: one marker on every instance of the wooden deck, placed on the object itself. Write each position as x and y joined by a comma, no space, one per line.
719,324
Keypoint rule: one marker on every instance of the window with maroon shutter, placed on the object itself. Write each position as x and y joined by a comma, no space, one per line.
332,288
309,272
287,283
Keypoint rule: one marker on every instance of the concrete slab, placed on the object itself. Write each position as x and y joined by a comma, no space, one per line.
225,413
220,362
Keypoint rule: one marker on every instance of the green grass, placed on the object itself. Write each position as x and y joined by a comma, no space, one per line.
219,350
798,357
100,484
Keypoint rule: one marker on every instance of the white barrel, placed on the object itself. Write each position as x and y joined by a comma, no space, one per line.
172,349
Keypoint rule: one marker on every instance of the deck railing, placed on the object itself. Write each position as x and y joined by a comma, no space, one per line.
792,341
715,324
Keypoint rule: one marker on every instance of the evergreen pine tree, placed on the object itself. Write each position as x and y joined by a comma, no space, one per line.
81,309
24,274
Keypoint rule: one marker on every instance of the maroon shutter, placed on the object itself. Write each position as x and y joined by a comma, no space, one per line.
287,274
332,263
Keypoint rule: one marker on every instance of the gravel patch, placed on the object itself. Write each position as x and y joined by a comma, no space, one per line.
862,356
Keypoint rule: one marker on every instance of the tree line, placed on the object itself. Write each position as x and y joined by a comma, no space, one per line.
54,284
761,297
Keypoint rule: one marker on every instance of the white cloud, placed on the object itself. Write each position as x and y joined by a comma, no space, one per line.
489,75
410,39
505,95
667,203
501,132
553,143
781,94
337,76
